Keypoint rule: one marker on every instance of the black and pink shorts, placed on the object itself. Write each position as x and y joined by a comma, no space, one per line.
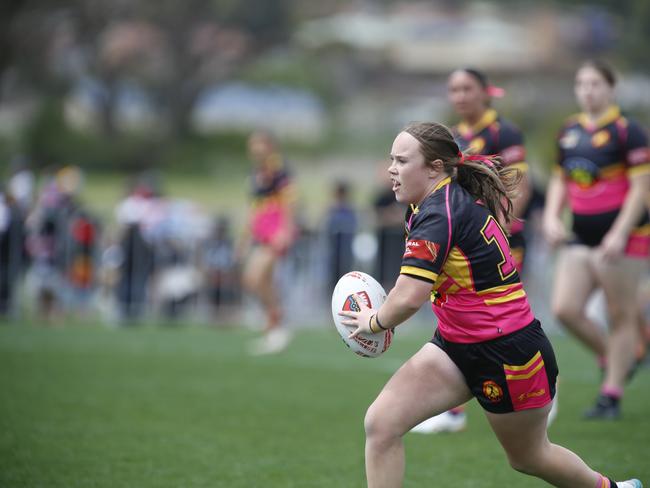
510,373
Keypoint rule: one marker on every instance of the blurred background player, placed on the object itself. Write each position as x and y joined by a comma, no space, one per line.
604,173
482,130
271,232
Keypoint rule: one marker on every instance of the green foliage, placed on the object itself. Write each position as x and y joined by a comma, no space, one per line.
159,407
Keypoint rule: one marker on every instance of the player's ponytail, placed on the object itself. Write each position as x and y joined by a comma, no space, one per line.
484,177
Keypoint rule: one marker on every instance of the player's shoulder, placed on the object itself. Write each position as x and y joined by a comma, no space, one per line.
507,126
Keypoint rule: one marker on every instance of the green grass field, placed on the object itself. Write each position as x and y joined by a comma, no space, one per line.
186,407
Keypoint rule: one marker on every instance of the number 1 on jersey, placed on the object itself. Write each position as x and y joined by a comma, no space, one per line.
493,234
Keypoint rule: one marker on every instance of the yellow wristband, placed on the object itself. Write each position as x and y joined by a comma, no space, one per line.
370,324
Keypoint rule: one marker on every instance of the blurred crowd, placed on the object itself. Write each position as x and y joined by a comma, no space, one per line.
163,259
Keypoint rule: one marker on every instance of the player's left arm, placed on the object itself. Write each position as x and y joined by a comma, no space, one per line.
637,155
406,298
513,155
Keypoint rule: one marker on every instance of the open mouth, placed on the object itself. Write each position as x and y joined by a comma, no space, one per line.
396,185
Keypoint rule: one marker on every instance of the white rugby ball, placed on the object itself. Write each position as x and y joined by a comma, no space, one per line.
373,295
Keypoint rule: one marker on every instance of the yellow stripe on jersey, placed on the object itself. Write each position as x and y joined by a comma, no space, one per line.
507,298
612,171
644,230
457,268
498,289
423,273
642,169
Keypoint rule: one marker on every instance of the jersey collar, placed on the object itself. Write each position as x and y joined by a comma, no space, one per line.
610,115
488,117
441,184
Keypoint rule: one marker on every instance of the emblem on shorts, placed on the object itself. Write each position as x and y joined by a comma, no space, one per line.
492,391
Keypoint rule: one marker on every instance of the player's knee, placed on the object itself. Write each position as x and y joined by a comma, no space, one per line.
565,312
376,424
621,314
524,463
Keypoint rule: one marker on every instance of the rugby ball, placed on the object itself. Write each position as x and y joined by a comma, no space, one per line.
373,295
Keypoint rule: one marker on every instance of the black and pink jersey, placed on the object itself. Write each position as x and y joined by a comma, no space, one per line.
597,161
454,243
272,193
493,135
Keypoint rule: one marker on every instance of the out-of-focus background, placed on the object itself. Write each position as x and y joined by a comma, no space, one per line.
124,190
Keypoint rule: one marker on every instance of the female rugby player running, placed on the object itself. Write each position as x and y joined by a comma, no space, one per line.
482,130
488,344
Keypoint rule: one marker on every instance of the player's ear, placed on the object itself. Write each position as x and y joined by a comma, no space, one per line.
436,167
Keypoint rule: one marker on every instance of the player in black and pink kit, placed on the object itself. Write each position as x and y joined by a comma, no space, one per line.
603,172
270,233
488,344
483,131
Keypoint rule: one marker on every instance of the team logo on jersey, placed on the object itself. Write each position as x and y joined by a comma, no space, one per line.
352,305
420,249
492,391
582,171
476,145
600,138
570,139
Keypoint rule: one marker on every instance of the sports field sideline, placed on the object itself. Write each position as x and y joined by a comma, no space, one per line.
88,406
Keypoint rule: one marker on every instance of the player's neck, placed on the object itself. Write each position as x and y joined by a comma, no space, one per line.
472,119
596,114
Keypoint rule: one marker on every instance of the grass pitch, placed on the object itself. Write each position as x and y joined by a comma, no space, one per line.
186,407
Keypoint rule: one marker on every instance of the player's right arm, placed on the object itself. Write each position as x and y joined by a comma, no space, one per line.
556,194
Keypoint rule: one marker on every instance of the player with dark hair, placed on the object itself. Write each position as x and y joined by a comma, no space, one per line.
483,131
488,344
604,172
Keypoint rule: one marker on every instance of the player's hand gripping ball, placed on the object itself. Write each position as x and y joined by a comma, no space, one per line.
352,287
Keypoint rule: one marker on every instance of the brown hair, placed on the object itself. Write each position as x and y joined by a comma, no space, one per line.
483,177
604,69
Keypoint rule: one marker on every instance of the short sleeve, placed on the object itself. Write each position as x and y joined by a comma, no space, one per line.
427,245
637,152
511,147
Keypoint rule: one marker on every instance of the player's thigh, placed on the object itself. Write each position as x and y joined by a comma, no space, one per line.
520,433
429,383
620,280
574,279
259,265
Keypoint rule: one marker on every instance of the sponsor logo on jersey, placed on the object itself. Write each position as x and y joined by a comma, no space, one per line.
492,391
570,139
421,249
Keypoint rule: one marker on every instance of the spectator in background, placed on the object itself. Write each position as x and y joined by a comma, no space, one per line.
271,232
389,219
12,250
219,266
49,240
135,263
340,229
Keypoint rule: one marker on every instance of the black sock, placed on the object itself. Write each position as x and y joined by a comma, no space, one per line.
608,400
612,484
